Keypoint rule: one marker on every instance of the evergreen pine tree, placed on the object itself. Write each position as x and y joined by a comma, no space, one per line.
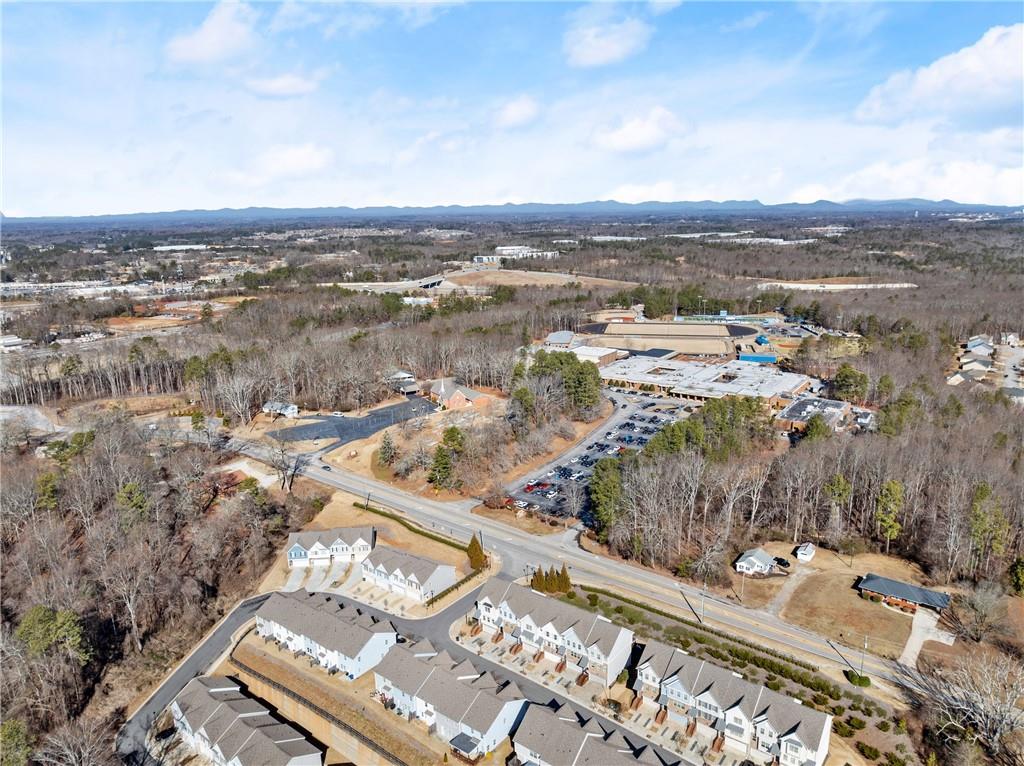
537,581
477,557
388,451
551,581
564,583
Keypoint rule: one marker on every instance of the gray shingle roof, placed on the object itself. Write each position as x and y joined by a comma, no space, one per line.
590,628
760,555
785,714
238,725
316,615
907,592
457,690
566,738
393,559
327,537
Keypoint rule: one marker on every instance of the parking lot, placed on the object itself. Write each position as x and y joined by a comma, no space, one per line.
636,419
342,429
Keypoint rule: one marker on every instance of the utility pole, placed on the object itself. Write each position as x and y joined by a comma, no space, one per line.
703,594
743,580
862,652
367,499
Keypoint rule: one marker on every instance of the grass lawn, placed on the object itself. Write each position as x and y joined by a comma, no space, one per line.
827,603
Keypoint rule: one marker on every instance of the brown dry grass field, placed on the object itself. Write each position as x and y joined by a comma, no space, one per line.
495,277
827,603
533,524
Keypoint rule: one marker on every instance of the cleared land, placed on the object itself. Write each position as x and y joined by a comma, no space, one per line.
496,277
827,602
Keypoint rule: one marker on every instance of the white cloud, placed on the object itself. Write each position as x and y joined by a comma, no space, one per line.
284,162
596,38
517,113
292,15
284,85
225,33
660,191
748,22
640,134
983,77
658,7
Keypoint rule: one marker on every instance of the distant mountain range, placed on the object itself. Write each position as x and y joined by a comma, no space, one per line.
533,209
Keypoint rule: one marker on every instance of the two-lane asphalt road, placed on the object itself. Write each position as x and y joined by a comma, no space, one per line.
521,552
131,738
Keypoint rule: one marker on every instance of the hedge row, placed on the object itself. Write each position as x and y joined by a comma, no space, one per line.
414,528
434,599
712,631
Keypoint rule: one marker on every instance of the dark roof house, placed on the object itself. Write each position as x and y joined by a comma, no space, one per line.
884,586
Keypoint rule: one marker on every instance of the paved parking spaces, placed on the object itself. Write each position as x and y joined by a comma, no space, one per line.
386,600
296,576
637,417
344,428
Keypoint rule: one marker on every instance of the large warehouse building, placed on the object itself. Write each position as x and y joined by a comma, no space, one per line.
697,381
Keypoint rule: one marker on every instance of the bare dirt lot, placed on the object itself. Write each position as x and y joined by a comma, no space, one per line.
495,277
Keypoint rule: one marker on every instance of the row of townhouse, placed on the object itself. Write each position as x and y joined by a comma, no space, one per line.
472,711
587,643
337,637
229,728
562,736
406,575
766,726
325,546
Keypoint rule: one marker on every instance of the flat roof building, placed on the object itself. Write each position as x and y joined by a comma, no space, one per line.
699,381
795,416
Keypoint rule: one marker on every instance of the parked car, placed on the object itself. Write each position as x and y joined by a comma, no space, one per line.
521,504
784,563
326,467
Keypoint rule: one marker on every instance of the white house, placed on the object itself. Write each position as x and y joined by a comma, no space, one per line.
338,638
755,561
762,724
284,409
805,552
407,575
324,546
471,711
586,642
223,725
559,736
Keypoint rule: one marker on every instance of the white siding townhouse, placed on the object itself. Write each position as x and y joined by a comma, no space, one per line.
227,727
561,736
338,637
471,711
321,547
407,575
766,726
585,641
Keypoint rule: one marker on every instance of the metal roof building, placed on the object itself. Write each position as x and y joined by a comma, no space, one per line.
883,586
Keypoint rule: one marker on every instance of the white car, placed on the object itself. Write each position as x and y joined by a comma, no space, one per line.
574,460
338,414
521,503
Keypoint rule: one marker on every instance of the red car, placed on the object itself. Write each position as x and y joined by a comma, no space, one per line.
529,488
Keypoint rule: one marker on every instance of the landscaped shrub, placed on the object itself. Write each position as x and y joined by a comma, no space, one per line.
858,680
838,710
891,759
774,685
571,594
841,728
882,725
856,723
869,752
593,599
820,699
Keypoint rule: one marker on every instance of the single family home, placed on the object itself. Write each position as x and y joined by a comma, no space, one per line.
756,561
901,594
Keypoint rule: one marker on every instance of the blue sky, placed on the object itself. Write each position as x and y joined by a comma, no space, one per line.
128,107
